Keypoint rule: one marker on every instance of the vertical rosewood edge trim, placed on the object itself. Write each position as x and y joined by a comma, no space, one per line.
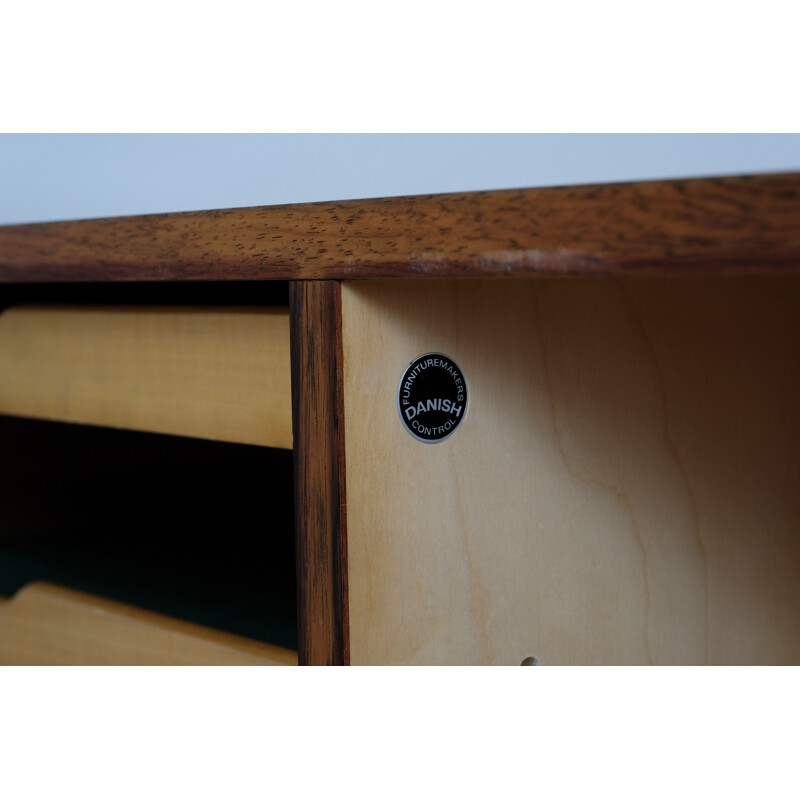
341,539
318,420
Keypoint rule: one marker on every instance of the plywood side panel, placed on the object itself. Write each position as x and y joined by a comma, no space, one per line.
625,487
210,373
46,625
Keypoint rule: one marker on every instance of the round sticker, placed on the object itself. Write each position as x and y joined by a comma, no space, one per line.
432,397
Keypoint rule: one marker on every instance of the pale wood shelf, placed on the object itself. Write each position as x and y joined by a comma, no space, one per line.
49,625
210,373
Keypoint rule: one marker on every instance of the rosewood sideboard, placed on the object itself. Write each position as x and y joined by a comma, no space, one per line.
540,426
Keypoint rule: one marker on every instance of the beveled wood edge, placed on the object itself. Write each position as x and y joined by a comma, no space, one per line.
320,507
747,224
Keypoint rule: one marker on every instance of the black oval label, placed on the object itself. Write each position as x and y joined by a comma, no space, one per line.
432,397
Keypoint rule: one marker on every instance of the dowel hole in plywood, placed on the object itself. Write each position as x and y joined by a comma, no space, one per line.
529,661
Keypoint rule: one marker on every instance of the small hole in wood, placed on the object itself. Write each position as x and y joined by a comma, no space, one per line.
530,661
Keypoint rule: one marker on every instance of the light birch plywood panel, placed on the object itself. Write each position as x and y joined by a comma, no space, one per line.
625,487
46,625
219,374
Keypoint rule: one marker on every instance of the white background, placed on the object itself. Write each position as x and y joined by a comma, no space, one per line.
423,65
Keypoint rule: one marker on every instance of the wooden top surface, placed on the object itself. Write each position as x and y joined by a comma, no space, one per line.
736,225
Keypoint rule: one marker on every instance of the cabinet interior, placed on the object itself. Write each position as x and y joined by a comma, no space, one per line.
195,529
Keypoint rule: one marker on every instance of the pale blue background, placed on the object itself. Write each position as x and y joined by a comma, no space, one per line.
73,176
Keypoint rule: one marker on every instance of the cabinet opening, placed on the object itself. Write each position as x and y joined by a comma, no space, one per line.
148,293
197,530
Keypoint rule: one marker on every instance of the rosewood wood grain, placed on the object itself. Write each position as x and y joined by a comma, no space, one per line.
318,424
735,225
